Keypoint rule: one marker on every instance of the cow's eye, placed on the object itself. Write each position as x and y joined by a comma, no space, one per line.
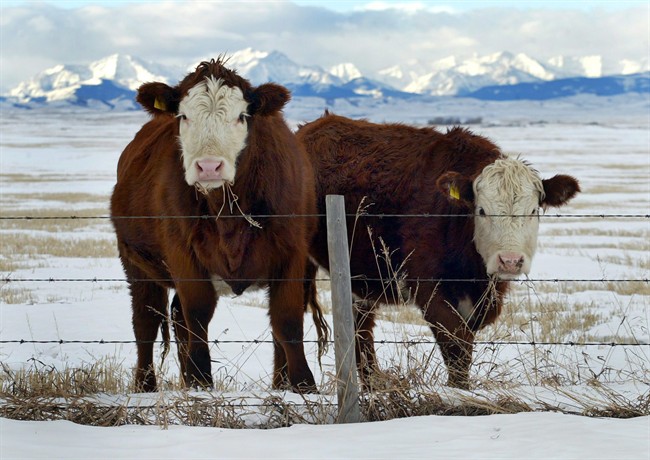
242,117
181,116
481,212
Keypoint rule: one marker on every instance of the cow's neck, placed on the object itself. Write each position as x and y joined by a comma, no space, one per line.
224,201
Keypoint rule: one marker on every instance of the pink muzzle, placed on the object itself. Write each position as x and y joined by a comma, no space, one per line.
209,170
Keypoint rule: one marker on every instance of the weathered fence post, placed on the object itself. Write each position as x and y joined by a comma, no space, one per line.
346,370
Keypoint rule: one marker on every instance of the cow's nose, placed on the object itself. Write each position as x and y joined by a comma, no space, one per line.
209,169
510,262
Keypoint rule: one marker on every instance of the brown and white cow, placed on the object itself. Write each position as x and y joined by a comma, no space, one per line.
394,169
216,146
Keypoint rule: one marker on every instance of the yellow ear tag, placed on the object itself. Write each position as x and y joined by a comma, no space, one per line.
160,105
454,192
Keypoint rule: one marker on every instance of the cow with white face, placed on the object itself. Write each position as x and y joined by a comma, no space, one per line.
213,112
506,198
451,220
216,151
212,132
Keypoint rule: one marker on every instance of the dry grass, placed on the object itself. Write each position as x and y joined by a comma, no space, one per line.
67,197
14,295
544,321
411,384
408,387
32,246
106,376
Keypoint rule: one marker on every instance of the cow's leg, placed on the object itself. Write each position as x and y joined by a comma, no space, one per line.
287,312
280,366
365,340
198,300
454,337
149,305
181,333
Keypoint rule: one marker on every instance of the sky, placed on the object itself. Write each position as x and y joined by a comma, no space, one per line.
372,35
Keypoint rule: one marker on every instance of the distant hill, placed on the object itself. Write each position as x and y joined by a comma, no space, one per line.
603,86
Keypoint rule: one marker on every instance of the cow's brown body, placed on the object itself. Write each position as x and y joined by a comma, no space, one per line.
162,244
396,170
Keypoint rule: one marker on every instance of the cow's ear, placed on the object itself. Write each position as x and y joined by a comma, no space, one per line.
457,188
558,190
268,99
158,98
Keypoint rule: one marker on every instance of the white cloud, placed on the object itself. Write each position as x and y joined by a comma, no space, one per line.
38,35
407,7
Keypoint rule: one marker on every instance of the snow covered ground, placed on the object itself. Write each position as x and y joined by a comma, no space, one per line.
63,163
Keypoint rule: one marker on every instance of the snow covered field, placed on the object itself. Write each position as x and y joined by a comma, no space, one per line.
62,163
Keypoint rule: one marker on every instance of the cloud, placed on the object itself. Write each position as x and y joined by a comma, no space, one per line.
407,7
38,35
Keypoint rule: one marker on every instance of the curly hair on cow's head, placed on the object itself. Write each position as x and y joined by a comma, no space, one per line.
218,70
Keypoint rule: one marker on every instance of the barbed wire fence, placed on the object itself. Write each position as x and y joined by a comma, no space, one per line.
8,279
11,279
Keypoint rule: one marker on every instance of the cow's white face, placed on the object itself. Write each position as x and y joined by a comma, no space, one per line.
213,131
507,197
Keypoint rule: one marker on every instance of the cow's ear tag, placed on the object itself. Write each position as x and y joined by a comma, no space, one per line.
160,105
454,192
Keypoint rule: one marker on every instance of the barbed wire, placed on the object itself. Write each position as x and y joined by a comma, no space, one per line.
11,279
8,279
262,216
283,404
377,342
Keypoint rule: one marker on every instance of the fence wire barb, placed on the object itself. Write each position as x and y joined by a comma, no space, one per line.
233,405
377,342
293,216
7,279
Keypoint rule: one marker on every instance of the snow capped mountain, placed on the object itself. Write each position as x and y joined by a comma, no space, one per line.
126,71
565,87
62,82
261,67
453,76
345,72
112,81
586,66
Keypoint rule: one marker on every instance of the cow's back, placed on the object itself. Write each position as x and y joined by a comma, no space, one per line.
359,159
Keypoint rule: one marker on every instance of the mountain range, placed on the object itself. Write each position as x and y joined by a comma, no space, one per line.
113,80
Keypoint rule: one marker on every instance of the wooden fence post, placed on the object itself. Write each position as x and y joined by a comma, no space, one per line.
344,341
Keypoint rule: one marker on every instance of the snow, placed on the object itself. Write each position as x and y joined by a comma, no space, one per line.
525,435
605,144
262,66
60,82
450,75
345,71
